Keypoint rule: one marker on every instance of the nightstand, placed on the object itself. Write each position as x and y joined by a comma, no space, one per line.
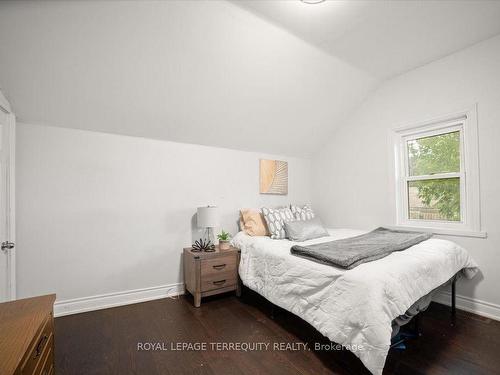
209,273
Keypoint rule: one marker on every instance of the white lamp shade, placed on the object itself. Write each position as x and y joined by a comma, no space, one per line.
208,217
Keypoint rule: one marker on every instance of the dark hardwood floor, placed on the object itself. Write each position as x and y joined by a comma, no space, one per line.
106,341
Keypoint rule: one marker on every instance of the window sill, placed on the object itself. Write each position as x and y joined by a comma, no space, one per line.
443,231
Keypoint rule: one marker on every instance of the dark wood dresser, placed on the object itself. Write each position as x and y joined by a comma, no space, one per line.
27,336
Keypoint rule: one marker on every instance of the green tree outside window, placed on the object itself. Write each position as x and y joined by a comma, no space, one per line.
430,156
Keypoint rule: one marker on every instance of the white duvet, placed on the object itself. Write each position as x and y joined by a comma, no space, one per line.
355,307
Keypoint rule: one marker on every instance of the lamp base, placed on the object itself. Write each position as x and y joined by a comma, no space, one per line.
210,239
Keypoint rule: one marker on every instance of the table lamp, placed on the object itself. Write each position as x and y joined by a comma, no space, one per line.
208,218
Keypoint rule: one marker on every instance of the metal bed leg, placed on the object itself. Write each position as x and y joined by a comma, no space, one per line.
453,299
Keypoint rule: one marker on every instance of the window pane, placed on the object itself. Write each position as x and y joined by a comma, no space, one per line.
436,154
434,199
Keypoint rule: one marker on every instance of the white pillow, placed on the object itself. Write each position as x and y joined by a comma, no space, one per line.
302,213
276,219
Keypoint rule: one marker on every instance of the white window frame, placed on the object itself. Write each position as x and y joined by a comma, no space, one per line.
466,123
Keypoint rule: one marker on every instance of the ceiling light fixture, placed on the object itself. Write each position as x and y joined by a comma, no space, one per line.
312,1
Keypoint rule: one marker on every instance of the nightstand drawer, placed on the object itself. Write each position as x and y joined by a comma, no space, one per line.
218,266
218,281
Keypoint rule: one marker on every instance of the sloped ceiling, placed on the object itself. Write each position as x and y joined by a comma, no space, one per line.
198,72
271,76
385,38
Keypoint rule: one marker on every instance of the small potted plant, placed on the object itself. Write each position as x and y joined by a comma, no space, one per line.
224,240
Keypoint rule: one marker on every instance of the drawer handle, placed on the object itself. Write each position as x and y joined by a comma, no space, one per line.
219,266
40,346
220,282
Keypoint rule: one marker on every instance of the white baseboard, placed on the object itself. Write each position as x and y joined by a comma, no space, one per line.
105,301
483,308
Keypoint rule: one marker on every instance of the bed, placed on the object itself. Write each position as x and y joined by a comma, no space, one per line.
354,308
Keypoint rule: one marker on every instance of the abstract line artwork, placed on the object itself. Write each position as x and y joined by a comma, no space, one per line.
273,177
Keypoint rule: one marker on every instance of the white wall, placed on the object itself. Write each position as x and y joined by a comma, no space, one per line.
99,213
353,176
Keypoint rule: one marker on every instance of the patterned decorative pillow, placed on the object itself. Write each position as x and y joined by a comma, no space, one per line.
302,213
276,219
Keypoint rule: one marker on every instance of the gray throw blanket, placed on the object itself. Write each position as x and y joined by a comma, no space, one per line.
351,252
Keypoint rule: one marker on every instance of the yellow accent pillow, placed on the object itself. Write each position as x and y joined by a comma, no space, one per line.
252,223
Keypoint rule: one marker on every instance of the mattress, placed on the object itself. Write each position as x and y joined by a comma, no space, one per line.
354,308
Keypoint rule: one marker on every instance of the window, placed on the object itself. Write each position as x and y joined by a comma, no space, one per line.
437,175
